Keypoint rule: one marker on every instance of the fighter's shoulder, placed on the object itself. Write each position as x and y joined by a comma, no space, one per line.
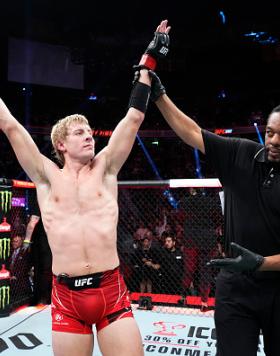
50,170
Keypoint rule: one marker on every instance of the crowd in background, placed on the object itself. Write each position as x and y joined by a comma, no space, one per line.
163,249
30,261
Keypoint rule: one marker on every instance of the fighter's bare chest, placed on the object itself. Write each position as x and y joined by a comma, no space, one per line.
68,189
79,190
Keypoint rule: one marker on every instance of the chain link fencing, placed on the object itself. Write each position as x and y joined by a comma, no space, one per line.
19,261
165,238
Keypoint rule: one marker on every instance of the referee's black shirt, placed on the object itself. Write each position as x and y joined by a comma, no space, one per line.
252,192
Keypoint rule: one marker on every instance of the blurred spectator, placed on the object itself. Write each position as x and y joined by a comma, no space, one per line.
179,233
42,263
155,241
19,266
41,255
160,224
141,231
172,265
146,266
18,224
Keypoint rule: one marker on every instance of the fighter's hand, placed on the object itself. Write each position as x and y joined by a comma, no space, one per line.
158,47
245,261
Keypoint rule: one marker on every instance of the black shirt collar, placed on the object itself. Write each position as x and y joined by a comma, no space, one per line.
260,156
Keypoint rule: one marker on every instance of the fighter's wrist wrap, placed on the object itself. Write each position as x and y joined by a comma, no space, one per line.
148,62
139,97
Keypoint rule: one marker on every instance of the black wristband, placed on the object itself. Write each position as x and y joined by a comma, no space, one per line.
139,97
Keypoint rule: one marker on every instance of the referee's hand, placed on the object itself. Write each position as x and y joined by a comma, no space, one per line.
245,261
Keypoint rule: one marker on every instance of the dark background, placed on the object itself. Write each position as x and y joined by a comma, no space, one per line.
213,72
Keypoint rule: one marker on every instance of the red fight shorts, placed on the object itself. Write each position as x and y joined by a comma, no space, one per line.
75,311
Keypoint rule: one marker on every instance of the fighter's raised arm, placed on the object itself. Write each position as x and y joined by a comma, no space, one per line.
23,145
186,128
124,135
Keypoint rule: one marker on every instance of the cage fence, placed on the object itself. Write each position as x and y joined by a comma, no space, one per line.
166,234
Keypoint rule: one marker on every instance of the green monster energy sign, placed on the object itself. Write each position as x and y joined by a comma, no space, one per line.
5,200
5,225
5,245
4,296
5,234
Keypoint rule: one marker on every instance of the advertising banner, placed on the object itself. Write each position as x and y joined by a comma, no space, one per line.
5,245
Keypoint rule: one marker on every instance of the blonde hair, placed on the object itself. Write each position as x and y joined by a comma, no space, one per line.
60,131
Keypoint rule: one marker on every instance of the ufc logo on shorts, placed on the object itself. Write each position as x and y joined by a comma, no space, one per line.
163,50
83,282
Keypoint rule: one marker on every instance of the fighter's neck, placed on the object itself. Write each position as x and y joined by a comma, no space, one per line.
75,168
